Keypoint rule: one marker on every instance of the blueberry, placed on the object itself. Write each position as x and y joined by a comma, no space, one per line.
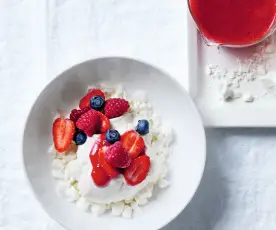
112,136
143,127
97,102
79,137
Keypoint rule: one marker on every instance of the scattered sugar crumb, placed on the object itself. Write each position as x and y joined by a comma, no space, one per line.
248,70
247,97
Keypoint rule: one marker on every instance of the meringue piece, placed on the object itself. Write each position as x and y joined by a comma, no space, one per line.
66,191
117,208
73,170
162,183
58,164
127,213
70,157
134,205
248,97
58,174
98,209
227,93
83,204
141,201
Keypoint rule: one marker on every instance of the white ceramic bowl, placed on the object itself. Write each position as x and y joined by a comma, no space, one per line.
170,100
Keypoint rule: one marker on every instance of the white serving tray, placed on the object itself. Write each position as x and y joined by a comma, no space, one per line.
204,90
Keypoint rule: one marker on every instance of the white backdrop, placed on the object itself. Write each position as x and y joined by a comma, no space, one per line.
40,38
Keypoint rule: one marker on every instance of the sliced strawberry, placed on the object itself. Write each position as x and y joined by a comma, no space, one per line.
133,143
85,101
89,122
97,156
100,177
110,171
138,170
105,123
63,131
143,152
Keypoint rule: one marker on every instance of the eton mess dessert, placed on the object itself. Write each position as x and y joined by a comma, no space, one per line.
109,154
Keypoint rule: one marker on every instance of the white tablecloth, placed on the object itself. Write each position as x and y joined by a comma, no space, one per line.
40,38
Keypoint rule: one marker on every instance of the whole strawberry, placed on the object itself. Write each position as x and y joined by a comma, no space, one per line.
89,122
117,156
76,113
115,107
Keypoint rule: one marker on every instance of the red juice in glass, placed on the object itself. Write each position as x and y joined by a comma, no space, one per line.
233,22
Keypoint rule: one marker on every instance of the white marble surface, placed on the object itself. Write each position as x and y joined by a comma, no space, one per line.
38,39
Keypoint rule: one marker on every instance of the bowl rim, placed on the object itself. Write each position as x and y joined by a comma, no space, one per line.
190,101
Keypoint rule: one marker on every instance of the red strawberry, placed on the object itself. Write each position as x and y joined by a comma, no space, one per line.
99,177
63,131
115,107
89,122
97,156
85,101
138,170
97,145
117,156
105,123
133,143
110,171
94,153
76,113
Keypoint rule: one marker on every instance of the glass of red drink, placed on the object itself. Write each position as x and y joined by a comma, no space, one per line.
234,23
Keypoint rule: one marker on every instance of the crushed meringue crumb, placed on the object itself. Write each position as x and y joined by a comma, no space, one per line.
251,69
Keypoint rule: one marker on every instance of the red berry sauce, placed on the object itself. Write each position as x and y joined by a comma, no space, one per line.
98,175
234,22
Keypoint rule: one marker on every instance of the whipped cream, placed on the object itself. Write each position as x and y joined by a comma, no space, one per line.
73,170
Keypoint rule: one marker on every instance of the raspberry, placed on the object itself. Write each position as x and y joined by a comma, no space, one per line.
89,122
76,113
115,107
117,156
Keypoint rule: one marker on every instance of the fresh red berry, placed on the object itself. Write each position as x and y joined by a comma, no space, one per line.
76,113
89,122
94,153
133,143
109,170
99,177
105,123
115,107
97,156
85,101
138,170
63,132
117,156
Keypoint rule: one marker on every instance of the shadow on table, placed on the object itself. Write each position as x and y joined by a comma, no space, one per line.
210,200
209,206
